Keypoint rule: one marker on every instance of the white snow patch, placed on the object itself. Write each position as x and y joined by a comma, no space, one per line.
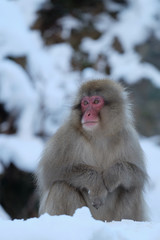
22,151
3,214
68,23
80,226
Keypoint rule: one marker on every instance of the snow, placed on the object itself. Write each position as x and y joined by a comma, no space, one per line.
24,152
80,227
3,214
134,26
15,37
68,23
152,154
28,8
40,96
14,80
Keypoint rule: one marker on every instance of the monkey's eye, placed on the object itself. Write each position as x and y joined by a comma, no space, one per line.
96,101
85,102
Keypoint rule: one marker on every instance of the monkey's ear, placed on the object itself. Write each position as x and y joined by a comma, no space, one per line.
76,106
107,102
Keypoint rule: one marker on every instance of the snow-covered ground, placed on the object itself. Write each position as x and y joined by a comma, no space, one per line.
41,96
80,227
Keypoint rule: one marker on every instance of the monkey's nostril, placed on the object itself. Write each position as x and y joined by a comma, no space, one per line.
89,114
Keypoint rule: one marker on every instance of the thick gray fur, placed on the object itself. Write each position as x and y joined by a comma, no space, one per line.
102,169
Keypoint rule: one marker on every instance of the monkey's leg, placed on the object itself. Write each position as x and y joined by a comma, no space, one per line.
61,199
128,205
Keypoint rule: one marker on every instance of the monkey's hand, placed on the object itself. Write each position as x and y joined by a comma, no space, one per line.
112,177
98,196
123,174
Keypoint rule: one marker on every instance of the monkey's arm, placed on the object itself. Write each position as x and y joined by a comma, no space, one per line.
85,178
62,162
124,174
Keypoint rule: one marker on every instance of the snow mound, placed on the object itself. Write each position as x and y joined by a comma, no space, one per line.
80,226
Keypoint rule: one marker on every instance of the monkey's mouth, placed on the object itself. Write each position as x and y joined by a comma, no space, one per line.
90,124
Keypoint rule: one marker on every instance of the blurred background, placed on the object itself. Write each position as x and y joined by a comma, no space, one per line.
47,49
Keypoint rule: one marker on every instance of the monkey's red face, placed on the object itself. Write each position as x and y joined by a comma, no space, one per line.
90,107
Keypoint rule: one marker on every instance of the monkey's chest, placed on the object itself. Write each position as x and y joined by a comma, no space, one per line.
95,155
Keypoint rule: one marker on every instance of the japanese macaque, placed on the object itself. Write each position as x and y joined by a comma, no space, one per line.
95,159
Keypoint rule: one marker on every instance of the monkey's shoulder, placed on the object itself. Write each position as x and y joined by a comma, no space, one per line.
63,142
65,134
